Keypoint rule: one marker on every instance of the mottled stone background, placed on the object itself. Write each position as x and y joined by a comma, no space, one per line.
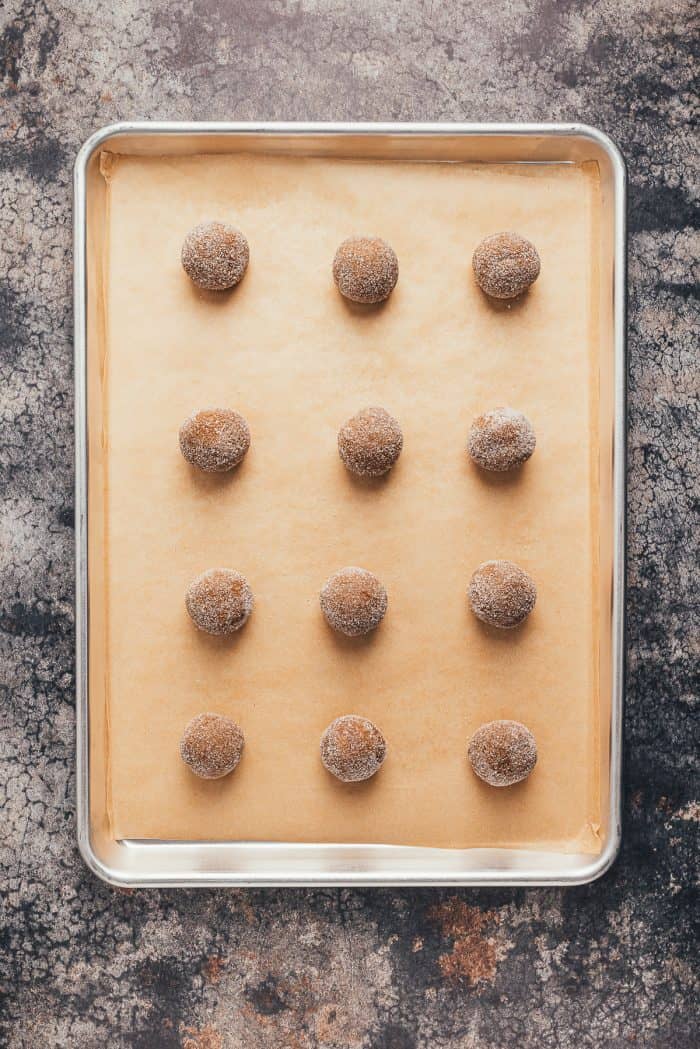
87,966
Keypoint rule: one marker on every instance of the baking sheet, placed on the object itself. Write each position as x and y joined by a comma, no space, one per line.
285,350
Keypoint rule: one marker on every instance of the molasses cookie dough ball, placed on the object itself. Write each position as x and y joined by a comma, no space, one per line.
214,439
501,594
365,269
502,753
215,256
353,601
505,265
501,439
211,745
219,601
352,748
370,442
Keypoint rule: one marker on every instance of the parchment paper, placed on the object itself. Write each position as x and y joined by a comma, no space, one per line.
286,351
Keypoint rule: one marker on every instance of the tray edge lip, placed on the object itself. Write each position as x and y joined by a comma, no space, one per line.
586,873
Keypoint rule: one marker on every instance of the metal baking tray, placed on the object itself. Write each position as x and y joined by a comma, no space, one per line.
240,863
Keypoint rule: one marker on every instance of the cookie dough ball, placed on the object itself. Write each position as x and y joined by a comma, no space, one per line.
352,748
214,439
502,753
505,265
370,443
353,601
365,269
211,745
215,256
219,601
501,439
501,594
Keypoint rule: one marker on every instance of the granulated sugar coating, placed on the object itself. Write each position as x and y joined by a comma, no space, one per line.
352,748
502,753
365,269
505,265
215,256
353,601
219,601
501,594
214,439
501,439
211,745
370,443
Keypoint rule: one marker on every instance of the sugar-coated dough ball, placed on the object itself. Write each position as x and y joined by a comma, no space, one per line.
215,255
501,594
502,753
353,601
219,601
501,439
352,748
365,269
211,745
505,265
214,439
370,442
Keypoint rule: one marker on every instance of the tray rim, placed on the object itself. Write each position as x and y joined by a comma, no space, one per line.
583,873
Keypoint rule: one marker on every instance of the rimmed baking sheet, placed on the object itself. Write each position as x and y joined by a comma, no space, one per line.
296,360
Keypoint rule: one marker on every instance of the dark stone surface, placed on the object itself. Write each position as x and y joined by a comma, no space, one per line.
86,966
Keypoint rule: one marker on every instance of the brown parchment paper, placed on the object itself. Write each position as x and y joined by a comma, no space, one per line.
286,350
